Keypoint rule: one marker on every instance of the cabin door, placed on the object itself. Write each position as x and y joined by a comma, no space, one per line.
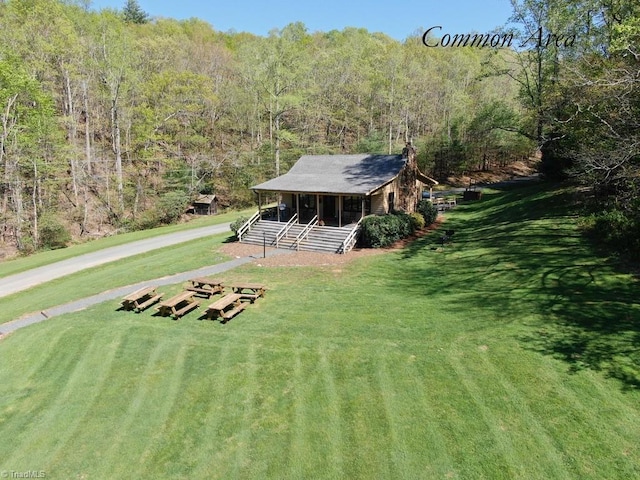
328,211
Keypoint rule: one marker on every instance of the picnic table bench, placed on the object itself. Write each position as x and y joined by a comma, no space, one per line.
206,287
179,305
141,299
249,291
227,307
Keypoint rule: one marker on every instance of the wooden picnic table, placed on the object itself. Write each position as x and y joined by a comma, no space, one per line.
249,291
206,287
141,299
227,307
179,305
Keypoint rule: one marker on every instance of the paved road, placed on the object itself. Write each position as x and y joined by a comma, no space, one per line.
36,276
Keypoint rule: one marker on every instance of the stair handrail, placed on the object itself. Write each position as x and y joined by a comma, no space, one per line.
247,225
285,230
350,241
302,235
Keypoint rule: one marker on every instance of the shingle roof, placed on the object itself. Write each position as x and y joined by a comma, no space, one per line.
359,174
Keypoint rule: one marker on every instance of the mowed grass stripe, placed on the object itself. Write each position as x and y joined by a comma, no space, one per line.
27,361
298,454
597,413
27,401
156,392
161,430
70,404
251,388
367,436
99,427
397,415
214,382
334,421
454,433
315,444
505,456
528,441
424,436
175,449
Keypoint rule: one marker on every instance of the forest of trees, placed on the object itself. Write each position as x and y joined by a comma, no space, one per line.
112,120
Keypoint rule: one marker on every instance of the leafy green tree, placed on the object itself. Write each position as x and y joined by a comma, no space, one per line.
26,118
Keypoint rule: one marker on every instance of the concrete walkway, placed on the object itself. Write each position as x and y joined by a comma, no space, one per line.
120,292
36,276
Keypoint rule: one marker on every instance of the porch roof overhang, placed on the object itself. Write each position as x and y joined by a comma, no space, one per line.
426,180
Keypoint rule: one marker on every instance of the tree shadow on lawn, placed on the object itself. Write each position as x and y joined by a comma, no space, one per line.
517,253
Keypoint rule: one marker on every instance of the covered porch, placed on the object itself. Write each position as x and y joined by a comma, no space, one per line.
328,209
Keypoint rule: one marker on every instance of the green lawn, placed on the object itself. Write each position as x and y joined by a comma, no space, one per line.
509,354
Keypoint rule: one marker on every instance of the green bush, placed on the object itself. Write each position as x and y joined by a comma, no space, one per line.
428,211
417,221
382,231
144,221
235,226
52,233
616,230
171,206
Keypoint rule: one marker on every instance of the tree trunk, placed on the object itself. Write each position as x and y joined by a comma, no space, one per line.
87,131
34,199
117,150
72,133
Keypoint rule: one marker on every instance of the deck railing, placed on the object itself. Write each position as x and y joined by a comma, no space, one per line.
247,226
285,230
351,239
303,234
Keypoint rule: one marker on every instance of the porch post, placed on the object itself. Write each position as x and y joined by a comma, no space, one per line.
260,204
298,207
318,206
363,203
278,205
340,211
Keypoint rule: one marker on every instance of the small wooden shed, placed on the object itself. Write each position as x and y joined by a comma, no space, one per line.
205,205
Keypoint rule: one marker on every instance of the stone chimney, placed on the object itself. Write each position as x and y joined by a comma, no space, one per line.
408,180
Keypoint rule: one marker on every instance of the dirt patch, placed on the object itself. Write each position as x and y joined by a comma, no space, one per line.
315,259
515,170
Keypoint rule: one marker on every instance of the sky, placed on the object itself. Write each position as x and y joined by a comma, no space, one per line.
398,19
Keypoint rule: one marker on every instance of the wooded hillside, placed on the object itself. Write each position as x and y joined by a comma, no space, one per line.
113,121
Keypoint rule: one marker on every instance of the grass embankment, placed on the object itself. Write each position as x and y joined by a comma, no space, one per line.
488,358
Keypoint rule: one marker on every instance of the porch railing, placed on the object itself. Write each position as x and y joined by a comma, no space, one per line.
247,225
303,234
351,239
285,230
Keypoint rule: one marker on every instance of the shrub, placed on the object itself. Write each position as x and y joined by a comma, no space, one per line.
417,221
52,233
382,231
171,206
235,226
616,230
144,221
428,211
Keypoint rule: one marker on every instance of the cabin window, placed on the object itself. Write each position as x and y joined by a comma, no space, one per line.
354,204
